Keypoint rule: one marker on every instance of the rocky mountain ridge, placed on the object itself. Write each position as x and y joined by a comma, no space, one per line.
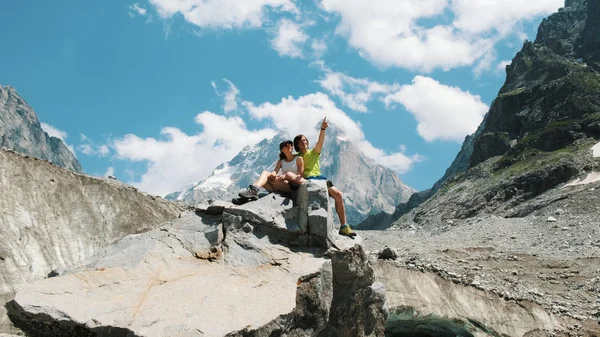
368,188
538,131
20,130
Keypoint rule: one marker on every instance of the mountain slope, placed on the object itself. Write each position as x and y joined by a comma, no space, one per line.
538,132
549,102
20,130
368,188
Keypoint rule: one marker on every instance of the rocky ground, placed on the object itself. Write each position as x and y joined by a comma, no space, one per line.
550,257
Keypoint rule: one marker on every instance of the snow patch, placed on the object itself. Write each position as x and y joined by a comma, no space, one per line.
591,178
221,178
596,150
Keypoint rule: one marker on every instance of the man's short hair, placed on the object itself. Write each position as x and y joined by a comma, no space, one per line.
297,140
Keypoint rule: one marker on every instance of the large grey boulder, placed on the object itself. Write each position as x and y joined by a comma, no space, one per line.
52,218
248,271
20,130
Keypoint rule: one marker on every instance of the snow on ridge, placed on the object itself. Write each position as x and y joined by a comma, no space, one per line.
596,150
221,178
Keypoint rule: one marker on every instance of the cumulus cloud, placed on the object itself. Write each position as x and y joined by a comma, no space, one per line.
319,47
110,171
355,93
498,15
442,112
60,134
226,14
387,32
54,132
230,96
177,159
289,39
502,65
90,148
300,115
136,9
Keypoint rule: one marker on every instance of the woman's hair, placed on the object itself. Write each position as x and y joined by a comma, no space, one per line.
297,140
281,146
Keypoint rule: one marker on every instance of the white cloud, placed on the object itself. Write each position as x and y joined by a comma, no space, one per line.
222,13
230,96
485,63
103,150
442,112
136,9
387,32
498,15
110,171
60,134
289,39
178,159
502,65
319,47
54,132
301,115
353,92
90,148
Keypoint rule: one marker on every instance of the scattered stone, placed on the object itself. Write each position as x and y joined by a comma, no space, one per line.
388,254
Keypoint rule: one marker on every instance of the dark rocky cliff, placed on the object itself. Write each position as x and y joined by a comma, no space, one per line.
549,104
551,95
20,130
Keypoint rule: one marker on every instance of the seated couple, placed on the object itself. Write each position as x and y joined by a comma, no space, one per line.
297,169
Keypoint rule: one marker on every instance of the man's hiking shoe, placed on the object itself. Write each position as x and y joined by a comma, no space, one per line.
347,231
251,193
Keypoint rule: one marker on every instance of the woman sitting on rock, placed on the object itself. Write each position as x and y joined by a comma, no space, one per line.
292,168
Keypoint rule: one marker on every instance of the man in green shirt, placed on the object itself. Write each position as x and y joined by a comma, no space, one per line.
313,171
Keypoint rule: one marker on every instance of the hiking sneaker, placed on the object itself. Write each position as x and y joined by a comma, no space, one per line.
251,193
347,231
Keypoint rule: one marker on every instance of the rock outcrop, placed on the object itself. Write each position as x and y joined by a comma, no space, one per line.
52,218
259,269
368,188
20,130
538,131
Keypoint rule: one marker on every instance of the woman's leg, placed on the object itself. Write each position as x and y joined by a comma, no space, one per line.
281,185
262,180
269,187
294,178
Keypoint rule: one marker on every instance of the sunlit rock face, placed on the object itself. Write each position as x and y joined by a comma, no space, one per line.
52,217
20,130
259,269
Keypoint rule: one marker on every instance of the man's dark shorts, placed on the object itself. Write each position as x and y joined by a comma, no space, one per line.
329,183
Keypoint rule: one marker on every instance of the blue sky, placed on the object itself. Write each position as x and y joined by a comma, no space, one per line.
159,92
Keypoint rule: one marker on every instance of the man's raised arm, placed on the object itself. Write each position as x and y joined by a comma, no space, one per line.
321,140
